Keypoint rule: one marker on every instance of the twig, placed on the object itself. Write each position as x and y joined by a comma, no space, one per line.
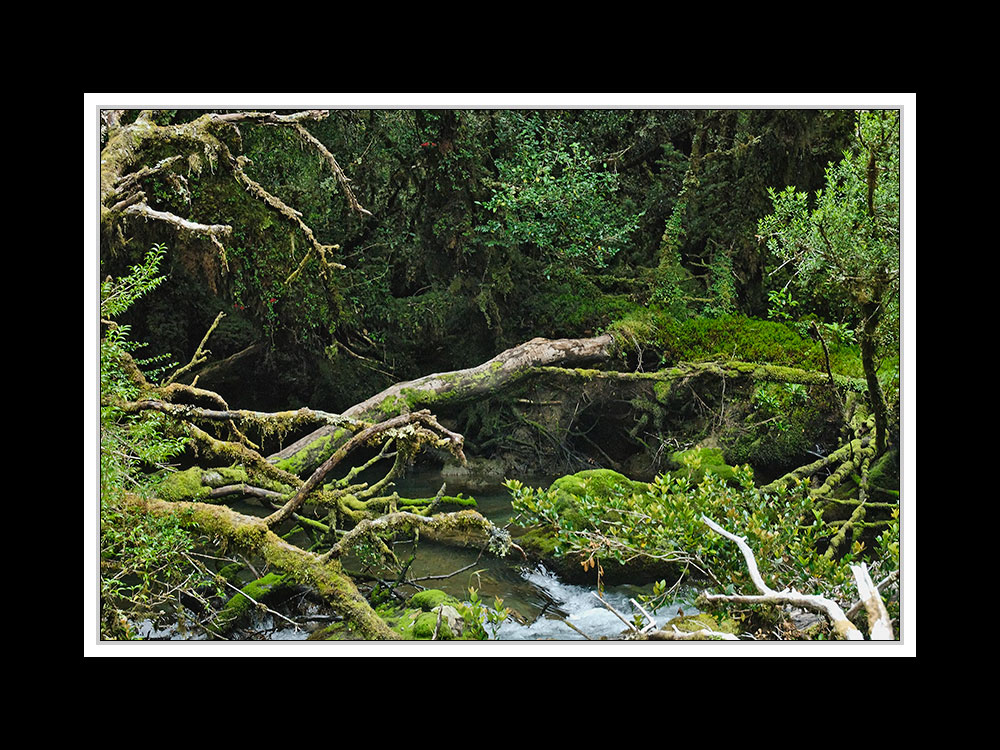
844,627
200,354
879,625
652,623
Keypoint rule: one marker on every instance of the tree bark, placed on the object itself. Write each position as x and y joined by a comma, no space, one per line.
460,386
250,534
866,341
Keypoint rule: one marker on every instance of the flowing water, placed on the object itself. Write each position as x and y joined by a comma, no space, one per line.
542,606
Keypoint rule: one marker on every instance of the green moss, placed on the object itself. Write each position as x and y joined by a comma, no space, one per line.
250,536
425,625
703,621
351,502
242,604
661,390
597,482
306,460
540,541
231,572
883,477
695,462
431,598
184,485
447,504
731,337
419,619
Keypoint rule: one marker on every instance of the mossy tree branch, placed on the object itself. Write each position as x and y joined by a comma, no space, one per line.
207,138
249,534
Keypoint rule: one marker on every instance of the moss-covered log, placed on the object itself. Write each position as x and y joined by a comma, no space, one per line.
448,388
249,534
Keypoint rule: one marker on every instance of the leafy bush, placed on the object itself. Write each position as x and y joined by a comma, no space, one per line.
137,552
662,520
555,195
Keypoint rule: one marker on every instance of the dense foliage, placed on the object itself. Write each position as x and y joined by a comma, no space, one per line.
662,521
705,242
140,555
488,227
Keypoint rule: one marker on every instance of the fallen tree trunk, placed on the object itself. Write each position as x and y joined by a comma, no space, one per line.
458,386
250,534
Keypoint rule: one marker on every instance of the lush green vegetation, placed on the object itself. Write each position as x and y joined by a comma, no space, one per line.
603,519
744,265
140,555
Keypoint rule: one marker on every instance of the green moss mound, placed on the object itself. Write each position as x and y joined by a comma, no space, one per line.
696,462
703,621
419,620
542,542
731,337
239,608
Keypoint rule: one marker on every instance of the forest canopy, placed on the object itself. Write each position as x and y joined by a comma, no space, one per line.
689,319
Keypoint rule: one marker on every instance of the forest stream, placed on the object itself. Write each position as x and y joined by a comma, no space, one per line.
675,331
543,607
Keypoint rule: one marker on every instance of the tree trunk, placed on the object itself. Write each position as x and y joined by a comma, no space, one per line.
867,344
249,534
465,385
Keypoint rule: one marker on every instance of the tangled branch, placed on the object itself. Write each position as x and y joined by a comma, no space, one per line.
879,627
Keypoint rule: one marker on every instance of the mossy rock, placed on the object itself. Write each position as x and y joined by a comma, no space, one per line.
419,619
702,621
597,483
427,623
542,543
698,461
431,598
240,606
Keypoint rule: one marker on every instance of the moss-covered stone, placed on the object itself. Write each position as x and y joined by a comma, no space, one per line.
239,607
431,598
427,623
596,482
696,462
703,621
419,619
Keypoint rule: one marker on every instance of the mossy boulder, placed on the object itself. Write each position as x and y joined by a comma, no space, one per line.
431,598
698,461
542,542
434,611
